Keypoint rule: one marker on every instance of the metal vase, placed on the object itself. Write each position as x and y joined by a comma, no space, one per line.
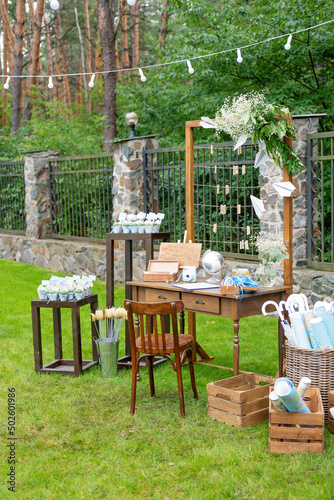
108,357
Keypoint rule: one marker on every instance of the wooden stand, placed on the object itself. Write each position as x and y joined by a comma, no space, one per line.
298,432
240,401
77,365
148,238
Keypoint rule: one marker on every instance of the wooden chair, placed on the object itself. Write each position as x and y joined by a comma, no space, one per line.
145,338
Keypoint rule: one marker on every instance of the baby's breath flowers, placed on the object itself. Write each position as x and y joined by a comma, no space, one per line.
111,321
271,247
232,118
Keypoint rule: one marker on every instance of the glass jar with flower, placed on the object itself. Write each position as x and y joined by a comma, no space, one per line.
272,250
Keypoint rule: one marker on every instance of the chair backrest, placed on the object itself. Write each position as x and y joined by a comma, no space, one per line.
149,324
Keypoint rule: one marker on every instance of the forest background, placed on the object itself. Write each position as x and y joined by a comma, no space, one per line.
92,36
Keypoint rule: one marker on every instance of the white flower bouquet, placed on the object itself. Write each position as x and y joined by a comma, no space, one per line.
271,247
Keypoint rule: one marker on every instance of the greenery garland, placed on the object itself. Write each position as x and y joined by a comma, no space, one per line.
251,115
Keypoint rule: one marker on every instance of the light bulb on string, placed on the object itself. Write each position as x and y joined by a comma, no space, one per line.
50,84
54,4
6,85
190,68
91,83
131,2
239,58
287,46
142,76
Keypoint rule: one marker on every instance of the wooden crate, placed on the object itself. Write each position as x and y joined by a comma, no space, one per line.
161,270
298,432
240,401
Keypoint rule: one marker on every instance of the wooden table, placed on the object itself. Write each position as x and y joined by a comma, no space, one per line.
212,302
129,238
74,366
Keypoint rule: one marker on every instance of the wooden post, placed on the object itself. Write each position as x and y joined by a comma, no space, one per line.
287,227
190,220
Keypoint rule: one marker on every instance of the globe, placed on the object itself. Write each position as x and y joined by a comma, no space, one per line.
212,263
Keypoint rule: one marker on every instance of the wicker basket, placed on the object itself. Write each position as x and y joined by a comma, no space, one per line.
317,364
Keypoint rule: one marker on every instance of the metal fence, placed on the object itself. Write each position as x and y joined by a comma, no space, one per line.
320,197
224,181
81,195
12,210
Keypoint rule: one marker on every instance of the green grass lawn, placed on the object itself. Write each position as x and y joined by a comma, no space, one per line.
77,440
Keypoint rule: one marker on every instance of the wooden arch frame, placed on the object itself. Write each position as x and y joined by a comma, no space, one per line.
190,192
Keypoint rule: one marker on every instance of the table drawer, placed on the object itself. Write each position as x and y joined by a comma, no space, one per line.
200,303
154,295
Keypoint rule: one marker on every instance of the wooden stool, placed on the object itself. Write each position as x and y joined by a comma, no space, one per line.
74,366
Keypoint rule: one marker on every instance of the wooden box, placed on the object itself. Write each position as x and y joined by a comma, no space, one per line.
298,432
240,401
188,254
161,270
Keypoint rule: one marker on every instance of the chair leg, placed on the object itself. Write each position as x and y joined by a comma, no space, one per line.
134,386
150,374
192,373
180,384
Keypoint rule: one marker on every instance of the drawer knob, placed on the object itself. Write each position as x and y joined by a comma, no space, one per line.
162,297
199,301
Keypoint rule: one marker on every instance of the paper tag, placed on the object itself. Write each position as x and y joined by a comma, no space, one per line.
212,149
243,169
235,170
239,150
246,245
214,228
242,244
223,209
247,230
238,209
217,188
227,189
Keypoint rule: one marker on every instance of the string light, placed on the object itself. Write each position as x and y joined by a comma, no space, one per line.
54,4
50,84
287,46
239,58
158,65
91,83
190,68
142,76
6,85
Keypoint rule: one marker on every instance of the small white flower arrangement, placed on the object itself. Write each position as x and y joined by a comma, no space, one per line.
52,292
78,291
42,292
63,293
271,247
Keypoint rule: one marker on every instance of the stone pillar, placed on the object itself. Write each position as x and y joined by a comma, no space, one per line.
37,194
273,218
128,182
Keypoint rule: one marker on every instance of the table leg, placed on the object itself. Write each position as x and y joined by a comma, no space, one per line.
192,330
128,290
236,347
58,343
37,337
76,333
93,306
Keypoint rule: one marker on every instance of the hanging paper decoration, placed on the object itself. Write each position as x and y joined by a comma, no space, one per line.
242,139
223,209
243,169
238,209
217,188
227,189
246,245
284,189
242,244
207,122
248,230
214,228
258,206
235,170
262,158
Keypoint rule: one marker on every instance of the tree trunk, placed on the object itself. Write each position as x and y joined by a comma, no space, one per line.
89,51
17,71
135,34
81,50
163,26
33,66
106,16
52,92
125,48
8,34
